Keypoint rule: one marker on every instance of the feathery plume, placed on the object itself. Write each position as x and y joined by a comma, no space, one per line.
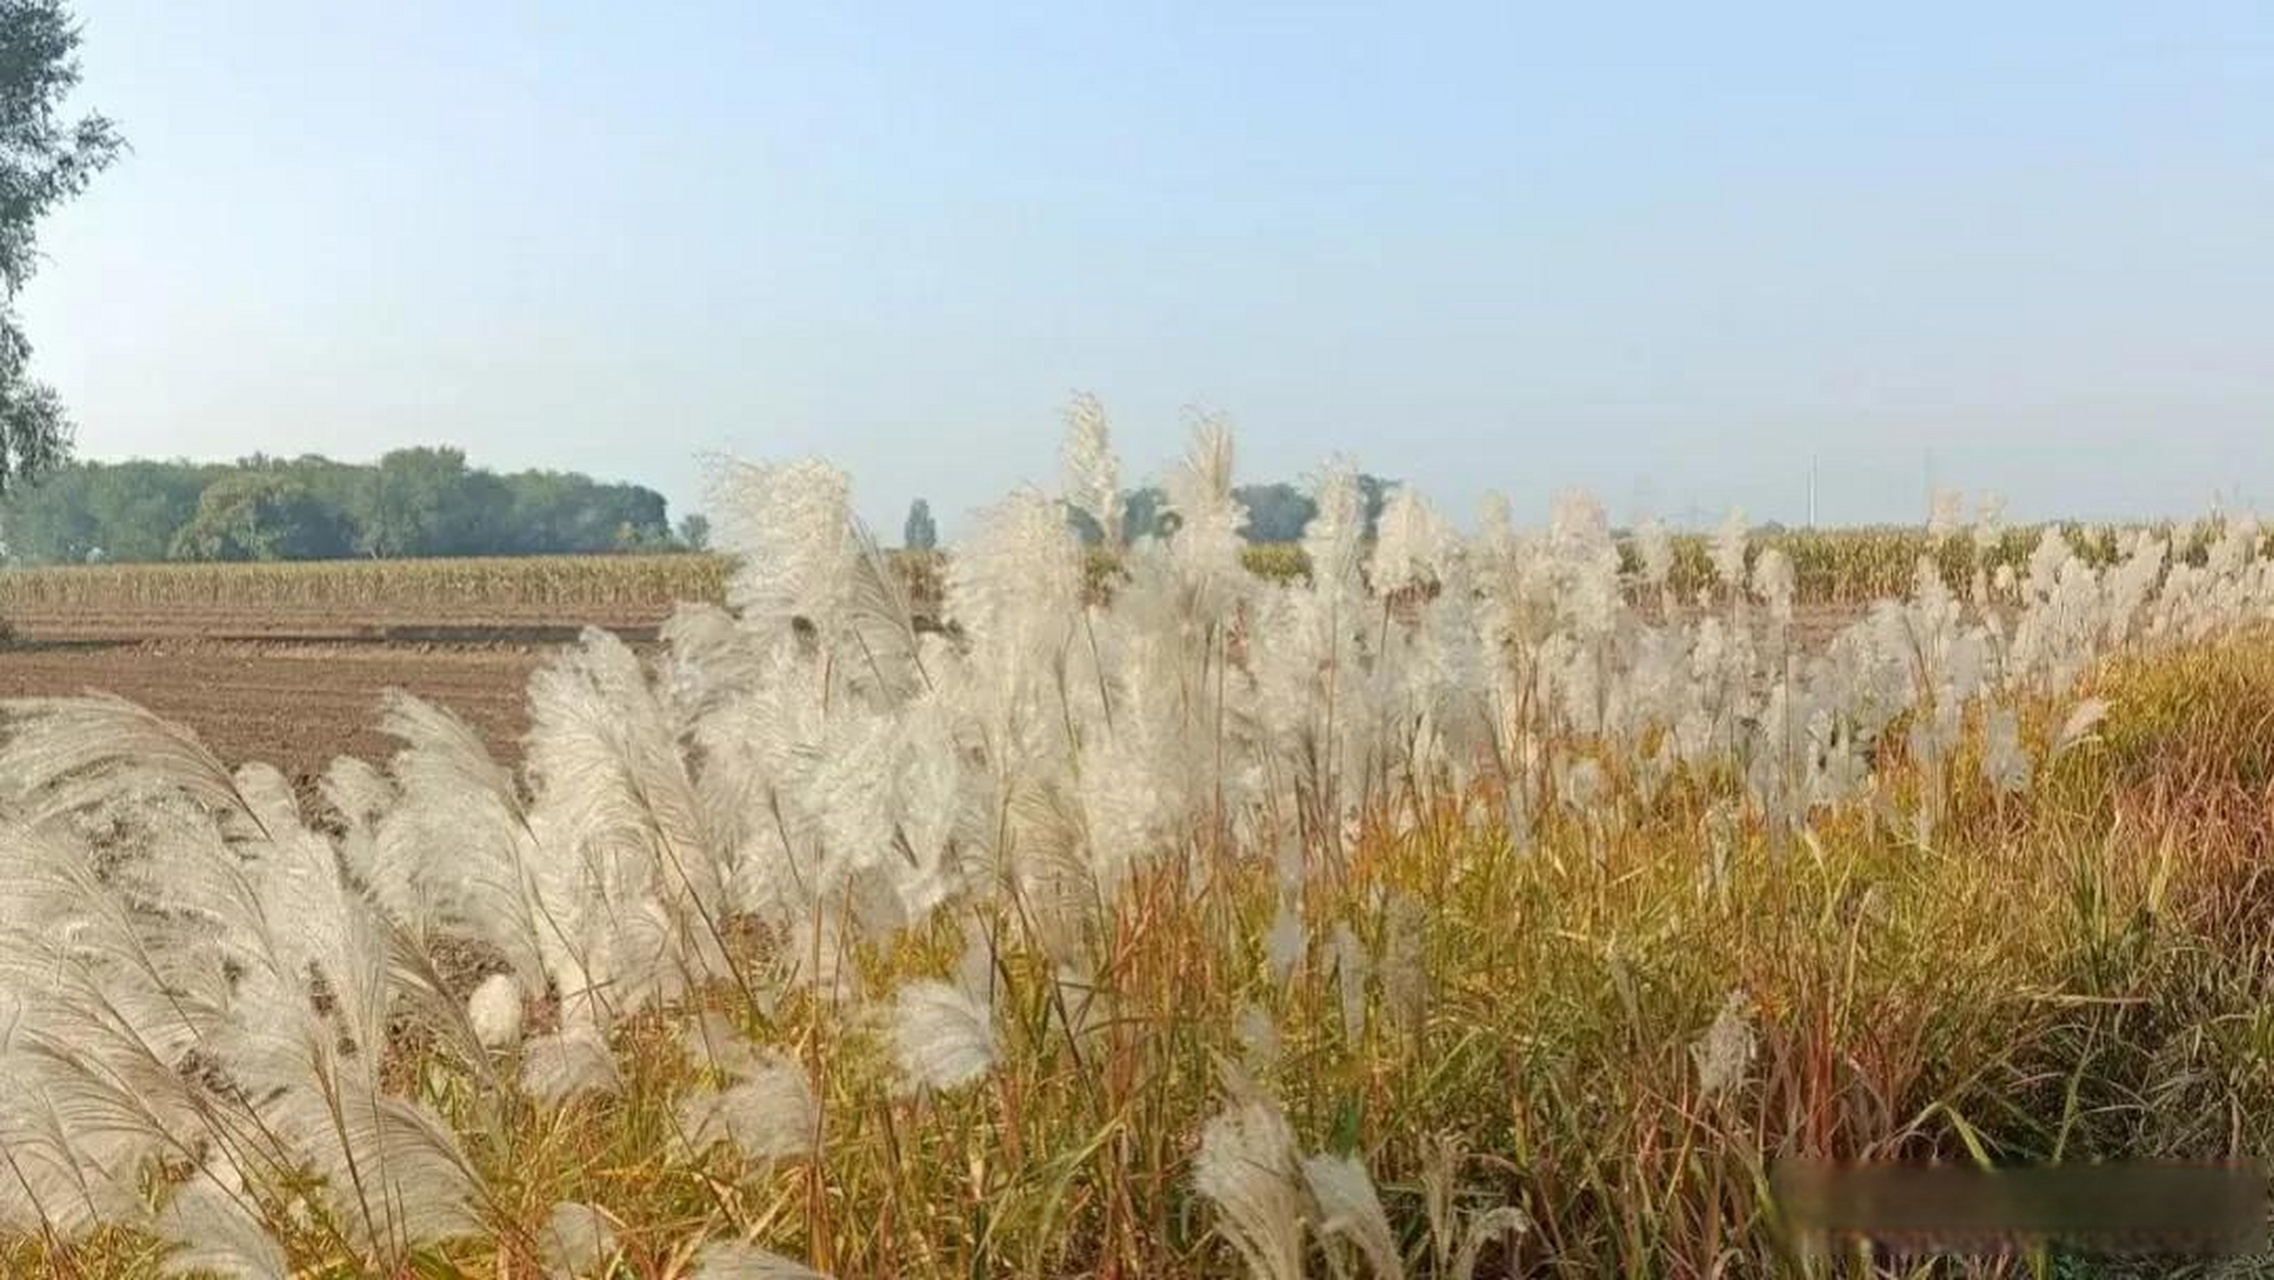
217,1233
768,1113
1412,544
494,1010
577,1239
1655,552
1284,946
2079,726
1259,1039
1497,1224
734,1260
942,1038
1093,473
1349,1208
1729,550
1946,513
1246,1168
1726,1049
2005,762
557,1067
1349,958
790,529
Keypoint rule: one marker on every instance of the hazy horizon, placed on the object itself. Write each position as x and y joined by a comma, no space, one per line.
1667,256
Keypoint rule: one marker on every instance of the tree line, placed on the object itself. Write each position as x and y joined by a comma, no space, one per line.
1276,513
411,502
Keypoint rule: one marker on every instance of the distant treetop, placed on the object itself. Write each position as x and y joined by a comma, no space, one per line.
412,502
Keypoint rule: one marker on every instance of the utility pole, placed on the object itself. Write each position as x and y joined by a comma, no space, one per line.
1811,490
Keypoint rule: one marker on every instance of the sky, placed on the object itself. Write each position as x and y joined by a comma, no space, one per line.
1680,255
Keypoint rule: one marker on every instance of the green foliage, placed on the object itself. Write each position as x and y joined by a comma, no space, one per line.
1277,512
44,161
921,532
102,511
555,512
261,515
424,502
694,532
1144,514
1278,561
413,502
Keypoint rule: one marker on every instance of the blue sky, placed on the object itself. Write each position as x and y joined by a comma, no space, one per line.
1665,252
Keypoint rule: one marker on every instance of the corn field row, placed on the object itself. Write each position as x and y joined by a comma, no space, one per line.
568,584
1844,566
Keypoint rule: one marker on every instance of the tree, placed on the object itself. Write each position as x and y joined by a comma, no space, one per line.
920,533
695,531
415,502
564,513
1145,513
138,506
52,522
44,161
121,511
1276,512
261,515
1374,493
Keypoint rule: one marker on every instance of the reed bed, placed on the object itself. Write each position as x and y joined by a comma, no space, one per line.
1468,904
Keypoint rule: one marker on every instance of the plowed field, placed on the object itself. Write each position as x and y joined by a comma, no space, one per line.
294,705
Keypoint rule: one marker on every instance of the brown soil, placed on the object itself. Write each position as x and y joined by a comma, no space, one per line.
296,705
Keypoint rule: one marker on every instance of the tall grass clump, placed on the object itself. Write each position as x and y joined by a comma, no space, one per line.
1454,907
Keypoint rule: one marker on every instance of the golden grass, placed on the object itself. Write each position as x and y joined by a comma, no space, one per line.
2078,973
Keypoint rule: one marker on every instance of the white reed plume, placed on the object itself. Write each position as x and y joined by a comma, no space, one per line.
735,1260
1093,473
1350,972
1502,1223
2005,762
942,1037
577,1239
1349,1209
1726,1049
1246,1168
495,1011
1335,539
790,529
1412,544
1728,553
1404,972
1946,513
1206,546
1287,941
1259,1039
1773,583
557,1067
767,1112
1990,521
2078,727
1654,552
217,1233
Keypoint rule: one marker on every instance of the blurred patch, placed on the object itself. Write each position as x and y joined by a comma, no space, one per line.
2180,1209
